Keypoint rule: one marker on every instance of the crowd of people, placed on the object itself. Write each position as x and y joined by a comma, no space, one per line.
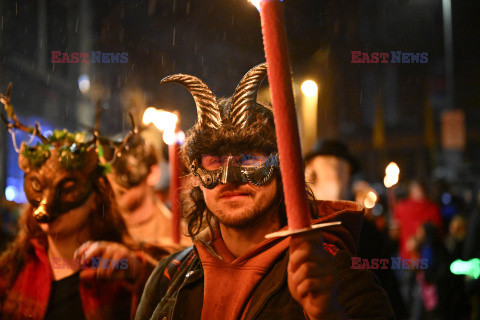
94,240
422,227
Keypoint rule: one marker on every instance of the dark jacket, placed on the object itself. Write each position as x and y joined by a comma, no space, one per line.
175,288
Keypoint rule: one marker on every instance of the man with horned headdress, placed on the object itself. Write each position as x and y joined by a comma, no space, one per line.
232,271
73,257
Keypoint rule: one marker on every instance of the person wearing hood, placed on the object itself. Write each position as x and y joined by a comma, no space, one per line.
232,271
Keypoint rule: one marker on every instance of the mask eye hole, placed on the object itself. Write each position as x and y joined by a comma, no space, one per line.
68,185
210,162
254,160
36,185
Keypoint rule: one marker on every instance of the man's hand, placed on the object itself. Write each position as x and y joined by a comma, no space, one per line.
108,256
312,277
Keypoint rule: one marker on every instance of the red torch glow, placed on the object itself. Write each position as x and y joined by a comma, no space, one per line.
288,141
167,122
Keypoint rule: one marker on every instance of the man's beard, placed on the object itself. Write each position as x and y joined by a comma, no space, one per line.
245,218
240,221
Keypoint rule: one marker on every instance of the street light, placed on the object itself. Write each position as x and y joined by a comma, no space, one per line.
84,83
309,88
309,112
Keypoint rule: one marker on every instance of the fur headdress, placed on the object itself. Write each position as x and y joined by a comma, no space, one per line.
235,125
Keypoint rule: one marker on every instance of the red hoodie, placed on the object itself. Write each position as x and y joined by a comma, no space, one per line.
229,281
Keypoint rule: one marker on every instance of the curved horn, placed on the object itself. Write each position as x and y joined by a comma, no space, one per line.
208,112
245,93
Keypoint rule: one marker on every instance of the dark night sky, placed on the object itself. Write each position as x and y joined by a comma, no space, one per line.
219,40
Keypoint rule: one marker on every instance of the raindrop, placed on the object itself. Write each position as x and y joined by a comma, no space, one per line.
174,5
133,66
195,49
188,7
16,8
361,96
76,26
173,43
233,19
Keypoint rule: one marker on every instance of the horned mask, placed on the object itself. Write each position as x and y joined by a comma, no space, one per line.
131,159
233,140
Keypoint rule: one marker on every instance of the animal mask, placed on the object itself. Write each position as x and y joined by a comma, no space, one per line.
59,172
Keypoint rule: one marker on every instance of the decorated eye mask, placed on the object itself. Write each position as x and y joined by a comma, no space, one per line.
213,170
232,125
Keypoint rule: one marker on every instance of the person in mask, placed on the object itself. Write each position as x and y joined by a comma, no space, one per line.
135,172
232,271
73,256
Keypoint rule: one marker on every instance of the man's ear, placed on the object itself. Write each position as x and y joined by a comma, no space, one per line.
154,175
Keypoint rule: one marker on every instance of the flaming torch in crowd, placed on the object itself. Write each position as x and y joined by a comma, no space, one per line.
392,172
167,122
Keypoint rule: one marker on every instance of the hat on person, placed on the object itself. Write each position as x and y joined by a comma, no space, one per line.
333,147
